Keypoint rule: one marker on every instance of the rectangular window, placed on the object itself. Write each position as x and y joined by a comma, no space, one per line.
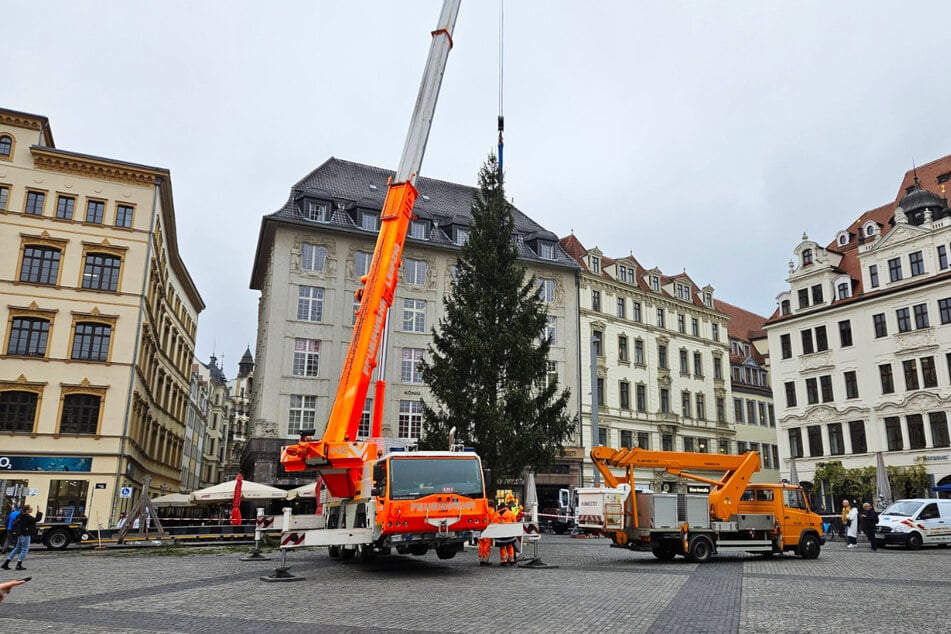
916,431
602,397
627,439
546,250
310,303
721,409
701,403
921,315
596,301
28,337
366,416
302,414
639,351
718,368
306,357
419,229
622,348
893,433
939,429
361,263
551,331
697,364
369,221
790,393
660,317
822,341
944,310
894,269
910,369
762,414
715,332
817,294
40,265
857,436
415,271
636,311
414,316
94,211
873,275
34,203
551,373
661,356
917,263
685,404
624,392
688,443
315,211
684,366
888,383
803,295
101,272
845,333
597,342
313,257
641,392
4,197
546,290
644,440
124,216
409,372
667,442
18,411
795,443
91,341
815,440
881,330
681,323
738,410
80,414
621,308
851,384
786,346
664,400
942,257
929,376
410,419
65,206
836,439
825,384
694,327
751,412
812,391
807,341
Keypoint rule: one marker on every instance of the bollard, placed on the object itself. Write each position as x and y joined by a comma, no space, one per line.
282,574
255,554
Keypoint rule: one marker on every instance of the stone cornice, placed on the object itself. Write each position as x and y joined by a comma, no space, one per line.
95,168
22,120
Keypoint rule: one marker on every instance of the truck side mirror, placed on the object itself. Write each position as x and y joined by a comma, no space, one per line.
564,498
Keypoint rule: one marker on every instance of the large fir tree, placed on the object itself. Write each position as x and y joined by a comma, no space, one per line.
486,367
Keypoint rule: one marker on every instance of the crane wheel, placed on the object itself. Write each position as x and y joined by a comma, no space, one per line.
620,538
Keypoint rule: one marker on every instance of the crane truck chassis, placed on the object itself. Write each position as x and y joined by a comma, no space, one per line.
735,516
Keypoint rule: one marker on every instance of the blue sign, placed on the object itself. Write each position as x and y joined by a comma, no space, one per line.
45,463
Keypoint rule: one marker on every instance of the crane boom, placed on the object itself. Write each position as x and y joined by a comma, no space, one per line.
336,455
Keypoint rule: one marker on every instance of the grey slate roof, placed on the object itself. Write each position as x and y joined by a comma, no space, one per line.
352,186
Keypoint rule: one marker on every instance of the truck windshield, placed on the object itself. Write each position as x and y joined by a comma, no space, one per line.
412,478
904,508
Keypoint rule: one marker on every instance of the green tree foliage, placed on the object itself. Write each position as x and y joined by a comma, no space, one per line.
486,366
859,484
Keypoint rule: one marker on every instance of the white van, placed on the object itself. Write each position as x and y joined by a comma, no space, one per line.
916,522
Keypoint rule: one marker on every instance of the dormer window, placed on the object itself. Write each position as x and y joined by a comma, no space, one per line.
807,257
419,229
462,234
655,283
708,300
546,250
6,146
315,211
595,264
368,221
622,273
843,239
784,307
870,228
683,292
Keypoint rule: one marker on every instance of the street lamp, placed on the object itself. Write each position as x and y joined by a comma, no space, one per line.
595,430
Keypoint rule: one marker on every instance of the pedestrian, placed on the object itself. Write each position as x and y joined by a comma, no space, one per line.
506,544
7,586
851,524
25,530
870,515
485,544
9,540
122,520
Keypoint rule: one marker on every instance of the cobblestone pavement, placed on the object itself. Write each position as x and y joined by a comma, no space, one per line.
594,589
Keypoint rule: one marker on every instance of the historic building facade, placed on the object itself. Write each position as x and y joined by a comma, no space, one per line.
661,354
99,316
859,347
310,256
240,390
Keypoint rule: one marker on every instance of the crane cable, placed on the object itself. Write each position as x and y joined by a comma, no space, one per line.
501,58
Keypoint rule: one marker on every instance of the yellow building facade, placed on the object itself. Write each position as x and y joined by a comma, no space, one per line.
98,316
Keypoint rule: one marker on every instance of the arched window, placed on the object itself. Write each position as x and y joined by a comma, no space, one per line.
6,146
807,257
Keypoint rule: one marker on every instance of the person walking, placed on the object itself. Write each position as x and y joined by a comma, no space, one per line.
485,544
870,516
851,524
10,541
25,530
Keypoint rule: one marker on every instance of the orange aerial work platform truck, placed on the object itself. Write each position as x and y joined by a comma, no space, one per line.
380,496
735,516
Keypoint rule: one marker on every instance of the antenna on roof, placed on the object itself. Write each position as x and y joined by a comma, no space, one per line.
501,58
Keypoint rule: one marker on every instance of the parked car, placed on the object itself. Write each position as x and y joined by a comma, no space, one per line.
915,523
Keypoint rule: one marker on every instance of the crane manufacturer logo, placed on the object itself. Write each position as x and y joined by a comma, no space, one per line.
455,505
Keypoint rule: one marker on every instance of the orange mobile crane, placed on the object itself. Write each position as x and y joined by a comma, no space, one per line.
383,498
735,516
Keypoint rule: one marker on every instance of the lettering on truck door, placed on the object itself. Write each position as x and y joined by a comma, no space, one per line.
794,515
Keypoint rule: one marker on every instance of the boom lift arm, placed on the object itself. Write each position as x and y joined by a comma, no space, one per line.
725,493
336,455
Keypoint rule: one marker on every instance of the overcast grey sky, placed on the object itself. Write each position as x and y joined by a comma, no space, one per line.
705,136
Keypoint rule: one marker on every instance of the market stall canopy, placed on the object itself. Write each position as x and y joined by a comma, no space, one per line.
173,499
224,492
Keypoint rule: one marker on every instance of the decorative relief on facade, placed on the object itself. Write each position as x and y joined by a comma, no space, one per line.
816,361
20,121
92,168
915,341
823,414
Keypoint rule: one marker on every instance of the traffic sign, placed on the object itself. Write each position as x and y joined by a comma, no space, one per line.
125,492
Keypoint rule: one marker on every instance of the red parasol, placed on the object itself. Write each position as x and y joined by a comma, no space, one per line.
236,502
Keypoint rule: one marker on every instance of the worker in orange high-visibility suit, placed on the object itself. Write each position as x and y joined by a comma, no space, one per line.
485,545
506,545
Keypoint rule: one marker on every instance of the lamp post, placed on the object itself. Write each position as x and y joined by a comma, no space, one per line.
595,430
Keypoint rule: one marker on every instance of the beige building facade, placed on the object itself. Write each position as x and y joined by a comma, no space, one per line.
99,317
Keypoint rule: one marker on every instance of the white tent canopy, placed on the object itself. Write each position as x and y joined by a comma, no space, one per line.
303,491
173,499
224,492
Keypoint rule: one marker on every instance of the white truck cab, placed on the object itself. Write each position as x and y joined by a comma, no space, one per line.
915,523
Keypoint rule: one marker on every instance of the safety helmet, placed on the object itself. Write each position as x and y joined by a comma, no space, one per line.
509,497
